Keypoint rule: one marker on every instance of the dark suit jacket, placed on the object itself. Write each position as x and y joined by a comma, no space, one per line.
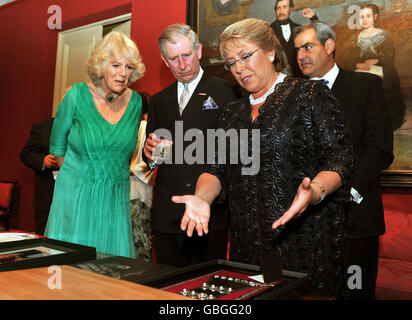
361,96
32,155
180,179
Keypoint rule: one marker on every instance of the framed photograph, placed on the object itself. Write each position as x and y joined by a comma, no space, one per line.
35,253
391,42
228,274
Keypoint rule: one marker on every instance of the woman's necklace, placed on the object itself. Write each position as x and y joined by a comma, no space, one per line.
262,99
109,97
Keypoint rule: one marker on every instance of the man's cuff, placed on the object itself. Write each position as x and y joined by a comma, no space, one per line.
355,196
151,165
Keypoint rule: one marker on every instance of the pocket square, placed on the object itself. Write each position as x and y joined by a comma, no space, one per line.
209,104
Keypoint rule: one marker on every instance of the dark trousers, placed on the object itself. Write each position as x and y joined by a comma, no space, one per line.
180,250
363,253
40,218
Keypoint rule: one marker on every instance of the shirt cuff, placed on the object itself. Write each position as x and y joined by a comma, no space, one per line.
152,165
355,196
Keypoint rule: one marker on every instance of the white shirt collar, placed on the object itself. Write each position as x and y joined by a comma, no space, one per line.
192,85
330,76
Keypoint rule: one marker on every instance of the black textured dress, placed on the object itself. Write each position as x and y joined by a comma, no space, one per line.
302,131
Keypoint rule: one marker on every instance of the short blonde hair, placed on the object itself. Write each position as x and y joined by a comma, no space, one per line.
257,31
113,47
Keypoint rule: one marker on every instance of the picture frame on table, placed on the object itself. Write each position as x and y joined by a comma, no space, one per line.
209,18
42,252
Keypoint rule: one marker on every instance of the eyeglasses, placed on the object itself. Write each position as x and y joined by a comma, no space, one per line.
229,65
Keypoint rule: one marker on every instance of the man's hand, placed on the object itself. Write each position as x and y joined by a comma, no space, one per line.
308,13
371,62
197,214
363,66
49,161
149,145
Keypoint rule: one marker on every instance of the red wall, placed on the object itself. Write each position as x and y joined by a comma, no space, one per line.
146,29
27,64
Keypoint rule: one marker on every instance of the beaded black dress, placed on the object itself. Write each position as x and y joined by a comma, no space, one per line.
302,131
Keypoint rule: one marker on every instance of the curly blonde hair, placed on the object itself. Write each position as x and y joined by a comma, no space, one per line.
113,47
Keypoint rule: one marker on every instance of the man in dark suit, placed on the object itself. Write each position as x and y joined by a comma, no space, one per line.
194,101
36,156
283,27
361,96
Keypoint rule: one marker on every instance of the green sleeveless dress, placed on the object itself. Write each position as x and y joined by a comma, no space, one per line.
91,201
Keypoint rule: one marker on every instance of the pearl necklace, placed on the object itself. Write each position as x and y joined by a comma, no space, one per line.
110,97
262,99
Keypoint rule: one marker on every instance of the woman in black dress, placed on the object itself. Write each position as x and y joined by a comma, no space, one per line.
304,146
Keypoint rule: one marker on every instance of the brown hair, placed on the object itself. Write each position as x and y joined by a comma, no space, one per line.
375,10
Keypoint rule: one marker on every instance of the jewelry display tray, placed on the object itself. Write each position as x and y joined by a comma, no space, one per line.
184,276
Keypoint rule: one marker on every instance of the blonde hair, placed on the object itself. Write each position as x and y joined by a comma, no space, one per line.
257,31
113,47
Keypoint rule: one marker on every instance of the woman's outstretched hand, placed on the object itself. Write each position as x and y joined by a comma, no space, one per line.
196,216
303,198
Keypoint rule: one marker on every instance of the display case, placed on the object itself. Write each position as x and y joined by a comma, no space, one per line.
224,274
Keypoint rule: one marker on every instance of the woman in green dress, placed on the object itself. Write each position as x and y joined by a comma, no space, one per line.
93,138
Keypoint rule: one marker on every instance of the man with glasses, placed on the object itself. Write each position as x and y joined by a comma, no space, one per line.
283,28
361,97
195,100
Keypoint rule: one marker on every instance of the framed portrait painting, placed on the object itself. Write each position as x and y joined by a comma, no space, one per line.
385,51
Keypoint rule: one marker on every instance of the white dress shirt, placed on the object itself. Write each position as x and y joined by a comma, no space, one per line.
330,76
286,31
